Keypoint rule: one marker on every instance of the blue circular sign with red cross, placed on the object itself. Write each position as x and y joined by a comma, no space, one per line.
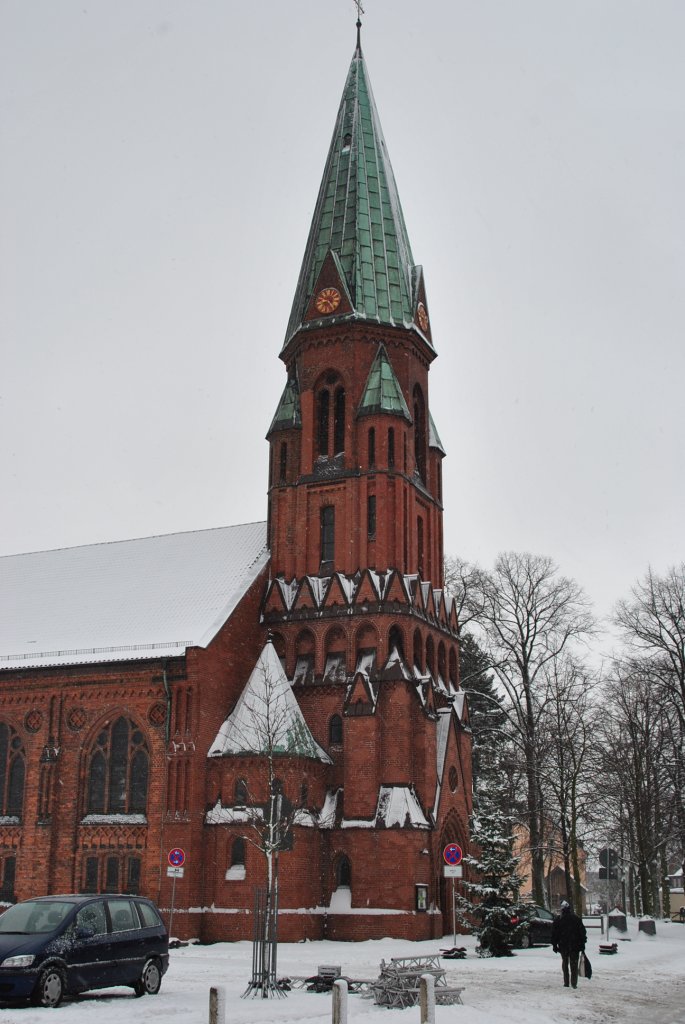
176,857
452,854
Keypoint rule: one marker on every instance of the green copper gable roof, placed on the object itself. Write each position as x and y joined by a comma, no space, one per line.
288,411
383,392
358,218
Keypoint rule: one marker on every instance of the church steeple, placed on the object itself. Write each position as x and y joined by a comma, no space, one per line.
358,233
355,471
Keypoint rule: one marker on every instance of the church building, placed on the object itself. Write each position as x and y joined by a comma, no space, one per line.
156,694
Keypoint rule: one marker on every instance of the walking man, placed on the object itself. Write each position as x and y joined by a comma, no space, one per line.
568,938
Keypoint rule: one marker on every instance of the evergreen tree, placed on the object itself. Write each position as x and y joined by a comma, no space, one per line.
492,900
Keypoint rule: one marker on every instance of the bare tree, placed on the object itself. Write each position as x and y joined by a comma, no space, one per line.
635,740
528,615
566,729
652,621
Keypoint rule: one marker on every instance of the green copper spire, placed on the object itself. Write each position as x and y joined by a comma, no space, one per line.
382,392
358,220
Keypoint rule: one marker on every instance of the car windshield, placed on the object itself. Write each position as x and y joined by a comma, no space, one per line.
35,917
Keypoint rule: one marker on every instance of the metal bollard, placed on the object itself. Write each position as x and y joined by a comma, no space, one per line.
427,998
217,1005
340,1001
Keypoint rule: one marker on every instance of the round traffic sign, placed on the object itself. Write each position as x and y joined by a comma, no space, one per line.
176,857
452,853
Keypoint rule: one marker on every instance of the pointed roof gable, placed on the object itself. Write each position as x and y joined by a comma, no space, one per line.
267,717
382,392
358,219
433,436
287,414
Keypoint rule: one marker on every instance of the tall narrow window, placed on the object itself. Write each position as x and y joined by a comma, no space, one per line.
283,463
371,516
328,534
344,872
12,772
9,871
90,882
339,422
391,448
133,875
419,543
112,875
335,730
372,447
322,420
238,852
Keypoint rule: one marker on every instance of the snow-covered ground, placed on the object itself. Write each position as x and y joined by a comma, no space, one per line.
644,981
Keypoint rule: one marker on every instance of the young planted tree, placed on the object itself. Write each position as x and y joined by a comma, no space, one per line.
267,727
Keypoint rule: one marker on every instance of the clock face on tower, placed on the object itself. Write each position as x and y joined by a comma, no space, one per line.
328,300
422,316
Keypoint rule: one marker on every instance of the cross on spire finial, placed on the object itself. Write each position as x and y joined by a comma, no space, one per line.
360,11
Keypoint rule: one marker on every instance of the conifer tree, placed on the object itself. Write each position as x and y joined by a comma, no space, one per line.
493,892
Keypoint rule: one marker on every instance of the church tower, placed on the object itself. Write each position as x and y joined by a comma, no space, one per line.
355,603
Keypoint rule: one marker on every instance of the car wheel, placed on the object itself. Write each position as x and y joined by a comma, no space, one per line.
150,980
49,987
526,941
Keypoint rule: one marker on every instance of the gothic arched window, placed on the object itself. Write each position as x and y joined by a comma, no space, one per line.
396,641
335,730
343,873
418,650
372,447
118,770
240,793
12,772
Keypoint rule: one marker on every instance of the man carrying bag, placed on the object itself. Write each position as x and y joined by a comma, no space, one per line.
569,938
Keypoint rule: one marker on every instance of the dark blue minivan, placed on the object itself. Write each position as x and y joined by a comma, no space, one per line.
57,945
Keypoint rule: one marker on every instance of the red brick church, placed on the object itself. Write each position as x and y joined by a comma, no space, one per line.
129,671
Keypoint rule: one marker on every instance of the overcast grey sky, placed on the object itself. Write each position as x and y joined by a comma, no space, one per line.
160,164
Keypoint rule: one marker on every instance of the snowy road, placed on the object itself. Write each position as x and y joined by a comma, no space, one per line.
644,982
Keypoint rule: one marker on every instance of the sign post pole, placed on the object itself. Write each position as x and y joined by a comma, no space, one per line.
176,859
454,911
452,855
173,896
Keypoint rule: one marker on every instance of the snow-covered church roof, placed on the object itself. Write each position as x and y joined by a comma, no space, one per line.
133,599
267,717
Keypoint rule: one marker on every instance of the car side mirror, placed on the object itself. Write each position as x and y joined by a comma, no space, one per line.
84,932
